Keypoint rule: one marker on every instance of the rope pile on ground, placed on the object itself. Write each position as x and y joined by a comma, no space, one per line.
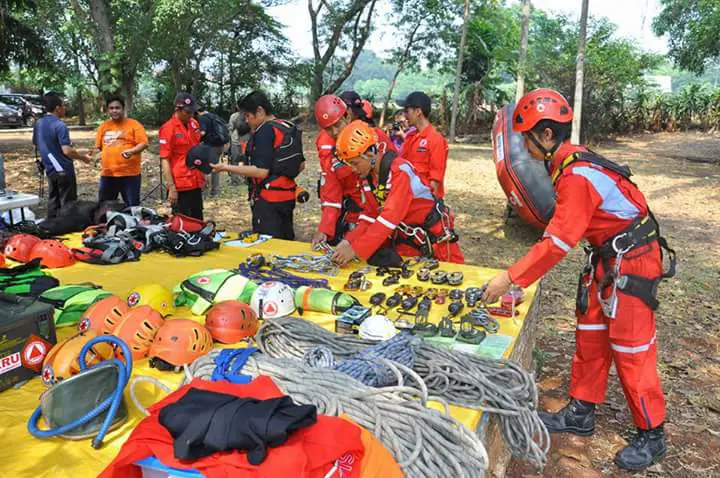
423,441
501,387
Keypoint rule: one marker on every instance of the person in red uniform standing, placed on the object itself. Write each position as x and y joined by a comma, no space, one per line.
275,159
344,196
596,201
177,136
425,147
411,219
361,109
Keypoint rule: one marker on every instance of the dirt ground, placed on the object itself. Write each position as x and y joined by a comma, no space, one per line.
680,176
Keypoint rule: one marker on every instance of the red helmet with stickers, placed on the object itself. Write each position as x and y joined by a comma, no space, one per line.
538,105
19,246
62,361
52,254
329,109
103,316
179,342
138,328
231,321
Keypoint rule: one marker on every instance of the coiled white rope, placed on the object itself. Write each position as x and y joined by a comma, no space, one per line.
500,387
424,442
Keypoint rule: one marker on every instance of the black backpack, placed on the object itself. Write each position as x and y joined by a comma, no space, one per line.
288,156
217,133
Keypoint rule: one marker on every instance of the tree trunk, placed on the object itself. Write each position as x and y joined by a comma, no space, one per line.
458,72
579,75
523,50
400,68
80,101
127,90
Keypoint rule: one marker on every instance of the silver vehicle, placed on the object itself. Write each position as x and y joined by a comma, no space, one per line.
10,116
30,108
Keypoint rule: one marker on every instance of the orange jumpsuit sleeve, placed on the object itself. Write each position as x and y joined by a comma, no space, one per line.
139,134
365,241
331,192
438,158
99,136
165,138
577,201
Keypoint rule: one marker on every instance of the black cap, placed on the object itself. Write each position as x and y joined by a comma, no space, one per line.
354,102
200,157
185,101
418,99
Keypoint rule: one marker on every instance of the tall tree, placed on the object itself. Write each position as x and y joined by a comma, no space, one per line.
693,30
520,90
19,42
418,22
458,72
579,74
337,24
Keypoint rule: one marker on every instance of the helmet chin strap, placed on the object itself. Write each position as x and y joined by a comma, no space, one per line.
548,153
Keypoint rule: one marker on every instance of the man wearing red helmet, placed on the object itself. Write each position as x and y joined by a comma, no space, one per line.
344,196
596,201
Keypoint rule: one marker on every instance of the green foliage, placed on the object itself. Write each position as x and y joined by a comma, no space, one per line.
19,42
693,29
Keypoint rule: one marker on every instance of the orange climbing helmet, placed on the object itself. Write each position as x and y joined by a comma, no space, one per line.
103,316
538,105
52,254
62,362
354,140
231,321
19,246
328,110
138,328
179,342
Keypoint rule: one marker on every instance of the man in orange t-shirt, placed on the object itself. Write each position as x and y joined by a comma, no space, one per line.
426,148
120,141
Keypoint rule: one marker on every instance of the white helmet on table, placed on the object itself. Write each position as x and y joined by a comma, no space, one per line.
273,300
377,327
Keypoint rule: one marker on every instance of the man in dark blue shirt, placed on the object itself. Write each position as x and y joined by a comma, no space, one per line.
52,140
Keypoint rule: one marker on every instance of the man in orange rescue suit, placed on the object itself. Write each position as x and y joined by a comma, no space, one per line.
275,159
411,218
425,148
344,196
177,136
616,295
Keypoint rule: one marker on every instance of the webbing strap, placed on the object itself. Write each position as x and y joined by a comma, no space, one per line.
229,363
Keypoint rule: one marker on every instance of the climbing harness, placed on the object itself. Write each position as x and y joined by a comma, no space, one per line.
308,263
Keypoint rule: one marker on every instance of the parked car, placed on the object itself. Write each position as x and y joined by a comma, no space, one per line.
10,116
31,111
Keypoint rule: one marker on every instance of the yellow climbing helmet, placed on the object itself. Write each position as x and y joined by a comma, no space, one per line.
156,296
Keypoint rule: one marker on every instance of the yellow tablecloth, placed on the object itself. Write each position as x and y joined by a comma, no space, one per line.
23,456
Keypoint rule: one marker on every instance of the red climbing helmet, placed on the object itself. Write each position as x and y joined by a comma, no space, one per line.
231,321
179,342
138,328
53,254
103,316
538,105
329,109
18,247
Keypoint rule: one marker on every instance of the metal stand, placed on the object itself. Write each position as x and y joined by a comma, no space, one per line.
159,187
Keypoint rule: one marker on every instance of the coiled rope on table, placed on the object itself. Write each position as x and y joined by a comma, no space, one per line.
365,365
500,387
424,442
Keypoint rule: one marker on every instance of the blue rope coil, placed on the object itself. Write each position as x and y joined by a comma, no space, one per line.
261,275
366,368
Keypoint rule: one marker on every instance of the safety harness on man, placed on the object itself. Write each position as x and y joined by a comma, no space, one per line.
417,236
642,232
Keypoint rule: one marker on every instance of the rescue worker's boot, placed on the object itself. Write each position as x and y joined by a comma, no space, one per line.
647,448
577,417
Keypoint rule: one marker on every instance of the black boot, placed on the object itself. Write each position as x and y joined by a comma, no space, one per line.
576,417
647,448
